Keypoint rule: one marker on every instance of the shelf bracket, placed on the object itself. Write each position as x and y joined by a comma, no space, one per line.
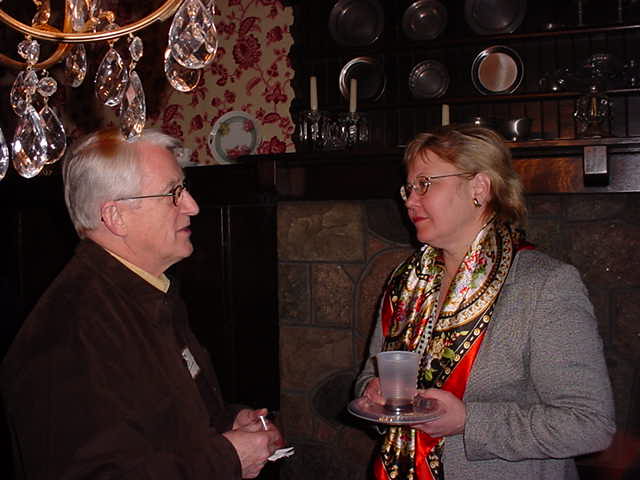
595,165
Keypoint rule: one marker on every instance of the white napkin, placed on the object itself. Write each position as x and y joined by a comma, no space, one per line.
281,453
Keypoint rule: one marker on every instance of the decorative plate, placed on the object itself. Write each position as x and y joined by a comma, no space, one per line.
424,20
371,78
497,70
428,79
492,17
354,23
233,135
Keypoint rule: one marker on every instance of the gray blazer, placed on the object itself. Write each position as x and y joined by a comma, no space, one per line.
539,392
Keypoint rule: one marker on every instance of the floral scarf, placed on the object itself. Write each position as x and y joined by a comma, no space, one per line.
448,344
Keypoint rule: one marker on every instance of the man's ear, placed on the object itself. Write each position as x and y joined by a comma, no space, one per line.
112,219
481,186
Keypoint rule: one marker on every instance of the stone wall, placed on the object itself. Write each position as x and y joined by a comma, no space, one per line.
333,260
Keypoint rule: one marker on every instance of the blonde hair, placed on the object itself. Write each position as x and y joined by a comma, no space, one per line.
473,150
104,166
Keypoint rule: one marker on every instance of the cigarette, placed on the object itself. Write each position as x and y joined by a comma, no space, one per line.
264,423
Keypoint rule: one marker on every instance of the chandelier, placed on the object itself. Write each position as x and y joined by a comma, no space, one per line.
39,138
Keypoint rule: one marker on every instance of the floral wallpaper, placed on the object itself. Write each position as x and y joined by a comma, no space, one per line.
251,73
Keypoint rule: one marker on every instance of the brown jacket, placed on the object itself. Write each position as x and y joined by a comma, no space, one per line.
95,385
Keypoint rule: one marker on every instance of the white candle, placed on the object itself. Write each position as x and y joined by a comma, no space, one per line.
313,93
353,95
445,114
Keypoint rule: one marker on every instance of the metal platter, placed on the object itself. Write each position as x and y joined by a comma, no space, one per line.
428,79
424,20
491,17
356,23
371,78
497,70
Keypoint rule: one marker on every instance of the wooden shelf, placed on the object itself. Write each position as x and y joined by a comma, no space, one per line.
515,37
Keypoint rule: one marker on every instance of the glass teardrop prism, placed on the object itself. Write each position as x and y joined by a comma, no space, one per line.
136,49
192,37
181,78
29,144
75,65
23,88
4,156
133,111
81,12
29,49
112,78
56,136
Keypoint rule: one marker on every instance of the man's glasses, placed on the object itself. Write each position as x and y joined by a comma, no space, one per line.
422,184
175,192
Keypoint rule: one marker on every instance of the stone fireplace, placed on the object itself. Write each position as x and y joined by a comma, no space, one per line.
334,257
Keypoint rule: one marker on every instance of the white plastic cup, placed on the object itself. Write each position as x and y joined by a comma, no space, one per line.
398,373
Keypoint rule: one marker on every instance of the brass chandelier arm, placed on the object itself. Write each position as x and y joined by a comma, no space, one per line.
167,9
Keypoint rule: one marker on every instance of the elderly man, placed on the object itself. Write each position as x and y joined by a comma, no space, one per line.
105,378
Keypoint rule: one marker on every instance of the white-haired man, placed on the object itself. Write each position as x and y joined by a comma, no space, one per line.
106,379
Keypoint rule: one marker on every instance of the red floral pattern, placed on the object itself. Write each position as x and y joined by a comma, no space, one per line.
252,72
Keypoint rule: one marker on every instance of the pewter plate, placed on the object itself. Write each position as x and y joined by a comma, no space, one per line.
497,70
356,23
428,79
491,17
370,75
424,20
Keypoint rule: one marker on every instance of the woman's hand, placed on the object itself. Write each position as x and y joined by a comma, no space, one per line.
452,420
373,393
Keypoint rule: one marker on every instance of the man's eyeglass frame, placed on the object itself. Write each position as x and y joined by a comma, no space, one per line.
175,192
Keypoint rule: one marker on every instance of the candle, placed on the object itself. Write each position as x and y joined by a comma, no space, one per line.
445,114
313,93
353,95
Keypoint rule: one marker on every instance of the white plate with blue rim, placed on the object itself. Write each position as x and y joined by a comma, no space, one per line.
234,134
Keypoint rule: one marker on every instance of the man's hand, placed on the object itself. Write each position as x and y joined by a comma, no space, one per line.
252,442
254,448
248,420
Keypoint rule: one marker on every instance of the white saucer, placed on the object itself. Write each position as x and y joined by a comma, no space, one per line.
424,410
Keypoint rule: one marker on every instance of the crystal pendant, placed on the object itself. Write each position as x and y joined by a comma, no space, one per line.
211,6
47,86
4,156
43,14
136,49
133,111
29,49
111,79
75,65
56,136
192,37
29,144
181,78
23,88
81,11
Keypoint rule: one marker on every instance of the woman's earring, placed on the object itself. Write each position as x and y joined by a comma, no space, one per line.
476,203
